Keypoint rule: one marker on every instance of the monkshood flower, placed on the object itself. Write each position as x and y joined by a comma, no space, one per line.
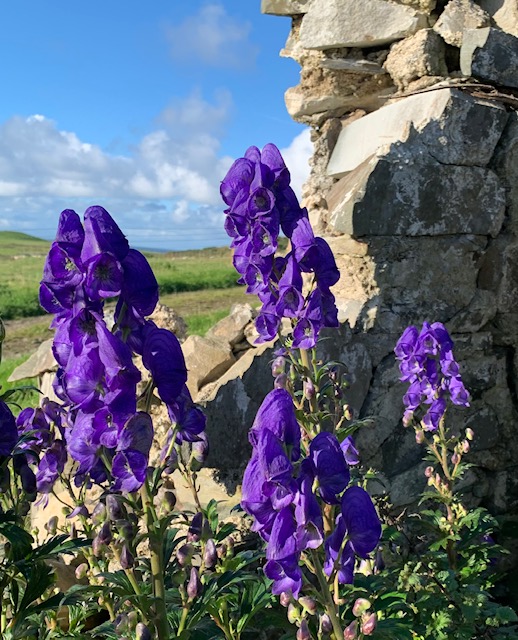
261,204
427,363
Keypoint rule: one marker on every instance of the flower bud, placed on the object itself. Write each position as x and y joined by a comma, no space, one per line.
99,513
221,550
142,632
126,558
81,571
184,554
465,446
194,533
419,436
278,366
428,472
170,499
126,529
121,623
361,606
348,412
114,508
369,624
293,613
309,389
470,434
281,381
97,547
351,631
308,605
52,525
325,624
210,555
105,534
200,448
455,458
303,631
194,586
285,598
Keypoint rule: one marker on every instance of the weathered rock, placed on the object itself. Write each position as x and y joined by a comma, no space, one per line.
348,23
427,198
491,55
353,65
419,55
458,16
504,14
426,6
505,165
232,328
42,360
284,7
449,125
167,318
206,360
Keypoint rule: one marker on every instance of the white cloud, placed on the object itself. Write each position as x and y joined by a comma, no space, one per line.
296,156
171,175
214,37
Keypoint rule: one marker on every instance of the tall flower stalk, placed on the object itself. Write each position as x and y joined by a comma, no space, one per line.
297,486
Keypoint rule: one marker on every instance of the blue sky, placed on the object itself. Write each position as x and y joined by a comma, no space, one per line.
140,107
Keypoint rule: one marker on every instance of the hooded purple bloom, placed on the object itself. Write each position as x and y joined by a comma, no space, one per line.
351,453
163,357
104,276
342,561
277,414
139,287
329,466
284,541
129,470
8,430
186,417
102,235
308,514
434,414
361,521
286,575
50,466
290,301
406,345
310,322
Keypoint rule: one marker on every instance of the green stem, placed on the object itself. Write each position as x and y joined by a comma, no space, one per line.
328,597
156,557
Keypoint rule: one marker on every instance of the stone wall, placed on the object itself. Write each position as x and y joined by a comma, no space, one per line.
411,105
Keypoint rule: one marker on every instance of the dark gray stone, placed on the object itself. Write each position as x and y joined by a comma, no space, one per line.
491,55
397,195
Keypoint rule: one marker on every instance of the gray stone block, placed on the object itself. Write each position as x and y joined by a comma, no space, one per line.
491,55
387,196
458,16
349,23
284,7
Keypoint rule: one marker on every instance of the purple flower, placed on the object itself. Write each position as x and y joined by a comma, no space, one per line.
102,235
329,466
163,357
129,470
277,414
361,521
310,322
286,575
351,453
339,557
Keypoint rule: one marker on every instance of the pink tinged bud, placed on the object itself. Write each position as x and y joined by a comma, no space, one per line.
221,550
281,381
142,632
465,446
278,366
303,631
308,605
194,586
184,554
97,547
360,607
428,472
369,624
455,458
309,389
81,571
351,631
470,434
99,513
210,555
419,436
52,525
326,626
285,598
438,482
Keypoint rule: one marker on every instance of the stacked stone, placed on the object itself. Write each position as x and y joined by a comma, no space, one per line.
414,181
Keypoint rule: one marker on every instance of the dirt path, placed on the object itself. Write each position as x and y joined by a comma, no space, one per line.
24,335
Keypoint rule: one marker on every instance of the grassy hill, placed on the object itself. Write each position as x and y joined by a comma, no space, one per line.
188,280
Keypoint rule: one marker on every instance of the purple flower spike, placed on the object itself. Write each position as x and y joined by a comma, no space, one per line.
361,521
163,357
329,466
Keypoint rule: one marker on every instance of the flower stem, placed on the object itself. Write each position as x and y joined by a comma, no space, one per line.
328,597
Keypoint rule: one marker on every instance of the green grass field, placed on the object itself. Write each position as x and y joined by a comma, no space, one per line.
200,285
